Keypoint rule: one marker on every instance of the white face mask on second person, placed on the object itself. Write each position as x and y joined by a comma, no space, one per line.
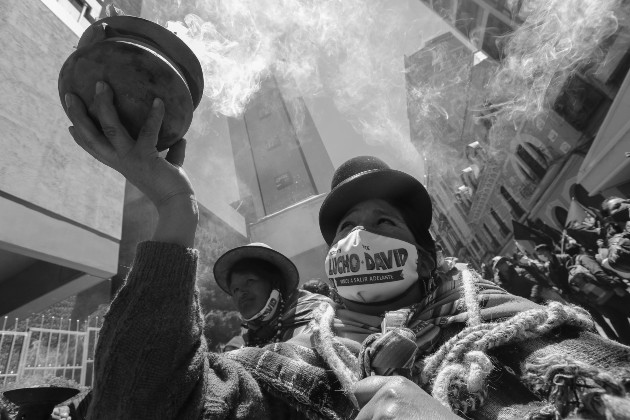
269,310
369,268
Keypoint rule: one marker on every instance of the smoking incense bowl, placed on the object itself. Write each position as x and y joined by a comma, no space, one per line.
140,60
38,403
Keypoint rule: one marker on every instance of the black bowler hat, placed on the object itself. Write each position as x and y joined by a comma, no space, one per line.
256,250
367,177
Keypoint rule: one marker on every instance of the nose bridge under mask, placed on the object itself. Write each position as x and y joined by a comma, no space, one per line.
356,232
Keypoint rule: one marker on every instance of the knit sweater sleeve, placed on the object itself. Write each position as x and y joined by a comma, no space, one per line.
151,359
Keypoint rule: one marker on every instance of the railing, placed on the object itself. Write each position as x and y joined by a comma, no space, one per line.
57,347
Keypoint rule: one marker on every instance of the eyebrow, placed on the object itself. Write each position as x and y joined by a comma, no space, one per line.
389,214
379,212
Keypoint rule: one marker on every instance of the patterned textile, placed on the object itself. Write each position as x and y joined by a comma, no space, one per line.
300,308
296,377
295,318
443,307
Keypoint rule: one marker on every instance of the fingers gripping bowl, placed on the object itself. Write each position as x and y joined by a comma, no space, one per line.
140,60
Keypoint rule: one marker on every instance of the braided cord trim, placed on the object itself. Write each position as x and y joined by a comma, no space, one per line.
461,366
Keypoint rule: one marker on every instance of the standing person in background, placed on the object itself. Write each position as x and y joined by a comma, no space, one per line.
545,289
556,267
263,284
486,272
617,259
616,211
607,294
558,272
507,276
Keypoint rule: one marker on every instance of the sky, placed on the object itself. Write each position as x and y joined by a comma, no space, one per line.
346,60
367,77
341,140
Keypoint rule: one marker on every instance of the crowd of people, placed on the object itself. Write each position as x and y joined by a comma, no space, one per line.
407,334
590,269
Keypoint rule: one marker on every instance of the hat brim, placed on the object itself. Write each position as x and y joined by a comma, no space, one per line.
224,264
622,273
385,184
495,263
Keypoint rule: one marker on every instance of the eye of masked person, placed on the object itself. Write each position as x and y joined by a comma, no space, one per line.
347,225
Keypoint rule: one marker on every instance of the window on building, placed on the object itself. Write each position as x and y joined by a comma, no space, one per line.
469,177
464,196
493,240
284,180
502,226
578,102
445,8
619,74
510,8
494,37
273,142
460,208
534,158
480,240
526,172
466,18
86,9
517,210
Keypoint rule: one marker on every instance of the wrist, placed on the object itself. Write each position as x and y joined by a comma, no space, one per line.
177,222
184,203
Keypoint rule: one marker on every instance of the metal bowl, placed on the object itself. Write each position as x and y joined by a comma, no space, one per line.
38,403
140,60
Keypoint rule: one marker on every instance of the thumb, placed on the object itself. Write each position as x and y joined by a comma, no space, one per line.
366,388
177,153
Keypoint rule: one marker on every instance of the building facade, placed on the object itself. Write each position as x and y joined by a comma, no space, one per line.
526,171
284,171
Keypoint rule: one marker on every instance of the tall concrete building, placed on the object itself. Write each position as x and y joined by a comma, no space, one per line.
279,156
529,179
283,170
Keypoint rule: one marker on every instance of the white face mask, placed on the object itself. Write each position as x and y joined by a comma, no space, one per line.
269,310
369,268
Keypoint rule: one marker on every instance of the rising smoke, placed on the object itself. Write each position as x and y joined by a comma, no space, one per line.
348,50
558,38
351,51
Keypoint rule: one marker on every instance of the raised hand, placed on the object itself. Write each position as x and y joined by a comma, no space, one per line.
162,180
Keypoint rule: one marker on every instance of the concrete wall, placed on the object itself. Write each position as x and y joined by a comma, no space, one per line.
59,204
40,162
60,208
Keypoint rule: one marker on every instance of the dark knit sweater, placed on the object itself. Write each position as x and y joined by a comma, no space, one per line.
152,360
